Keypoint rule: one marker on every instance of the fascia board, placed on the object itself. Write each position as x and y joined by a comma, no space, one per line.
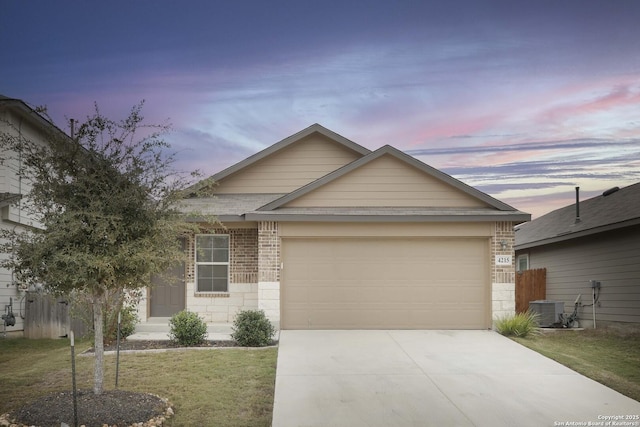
257,216
31,115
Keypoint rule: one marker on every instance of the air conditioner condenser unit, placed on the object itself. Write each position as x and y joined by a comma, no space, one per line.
548,311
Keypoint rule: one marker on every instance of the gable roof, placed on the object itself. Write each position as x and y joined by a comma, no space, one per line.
253,206
315,128
25,111
614,209
389,150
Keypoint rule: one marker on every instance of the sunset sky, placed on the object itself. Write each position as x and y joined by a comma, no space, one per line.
522,99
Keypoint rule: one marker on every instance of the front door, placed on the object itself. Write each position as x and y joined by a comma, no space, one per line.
168,295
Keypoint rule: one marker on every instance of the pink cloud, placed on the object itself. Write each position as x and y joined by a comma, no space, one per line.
620,96
455,126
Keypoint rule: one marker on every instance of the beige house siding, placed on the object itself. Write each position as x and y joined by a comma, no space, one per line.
386,181
289,169
612,258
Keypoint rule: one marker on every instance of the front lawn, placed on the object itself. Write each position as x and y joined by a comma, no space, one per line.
230,386
611,357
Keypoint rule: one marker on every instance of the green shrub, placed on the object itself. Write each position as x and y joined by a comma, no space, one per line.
518,325
251,328
187,328
128,320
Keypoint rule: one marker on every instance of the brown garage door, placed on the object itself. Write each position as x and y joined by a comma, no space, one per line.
385,283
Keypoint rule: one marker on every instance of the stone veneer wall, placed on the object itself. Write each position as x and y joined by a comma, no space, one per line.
243,278
269,270
503,278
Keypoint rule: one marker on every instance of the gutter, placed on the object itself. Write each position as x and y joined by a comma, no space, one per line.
260,216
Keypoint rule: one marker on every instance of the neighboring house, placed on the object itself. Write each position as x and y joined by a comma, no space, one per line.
601,245
322,233
16,119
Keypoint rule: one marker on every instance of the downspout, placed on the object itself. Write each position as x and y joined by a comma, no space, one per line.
594,306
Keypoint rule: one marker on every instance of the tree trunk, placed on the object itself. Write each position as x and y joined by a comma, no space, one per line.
98,345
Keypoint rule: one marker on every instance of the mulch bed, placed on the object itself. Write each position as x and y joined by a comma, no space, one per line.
113,408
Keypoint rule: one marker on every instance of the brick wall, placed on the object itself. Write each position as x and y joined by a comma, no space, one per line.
503,277
268,252
269,270
243,278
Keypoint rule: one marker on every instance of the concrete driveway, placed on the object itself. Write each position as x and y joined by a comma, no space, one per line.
432,378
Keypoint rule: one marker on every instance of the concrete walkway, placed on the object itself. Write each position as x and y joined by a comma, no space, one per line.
431,378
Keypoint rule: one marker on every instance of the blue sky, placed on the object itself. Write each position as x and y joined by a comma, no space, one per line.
523,100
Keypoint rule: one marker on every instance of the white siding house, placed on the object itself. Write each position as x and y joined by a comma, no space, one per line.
17,119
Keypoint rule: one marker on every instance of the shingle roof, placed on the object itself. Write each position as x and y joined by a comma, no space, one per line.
227,207
598,214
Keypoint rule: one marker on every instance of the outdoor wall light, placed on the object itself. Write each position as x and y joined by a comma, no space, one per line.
503,245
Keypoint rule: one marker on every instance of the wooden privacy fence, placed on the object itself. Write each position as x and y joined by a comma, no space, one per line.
48,317
531,285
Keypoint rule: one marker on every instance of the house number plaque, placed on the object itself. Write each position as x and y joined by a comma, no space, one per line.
503,259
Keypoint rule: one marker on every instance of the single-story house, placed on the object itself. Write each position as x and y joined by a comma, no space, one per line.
323,233
590,248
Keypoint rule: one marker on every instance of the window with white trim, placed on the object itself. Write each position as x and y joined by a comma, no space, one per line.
212,263
523,262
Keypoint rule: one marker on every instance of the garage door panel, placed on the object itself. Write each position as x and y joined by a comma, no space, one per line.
358,283
329,295
457,294
359,318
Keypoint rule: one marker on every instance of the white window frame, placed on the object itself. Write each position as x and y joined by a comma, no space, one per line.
212,263
520,257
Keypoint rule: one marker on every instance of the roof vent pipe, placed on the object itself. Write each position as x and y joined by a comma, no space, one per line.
577,205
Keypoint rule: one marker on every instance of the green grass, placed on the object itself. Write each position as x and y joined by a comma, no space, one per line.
231,387
234,387
608,356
